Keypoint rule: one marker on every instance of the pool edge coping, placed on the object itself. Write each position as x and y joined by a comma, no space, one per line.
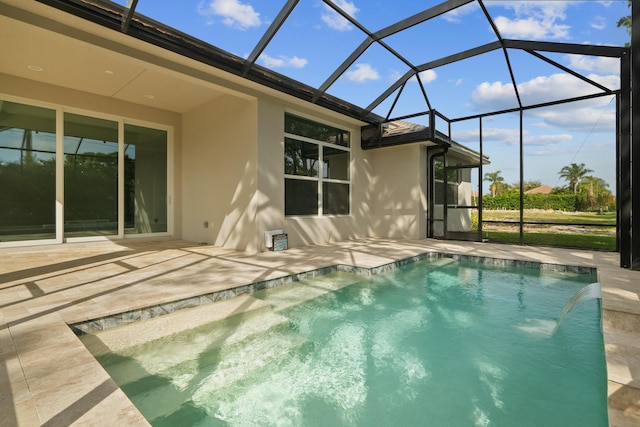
92,326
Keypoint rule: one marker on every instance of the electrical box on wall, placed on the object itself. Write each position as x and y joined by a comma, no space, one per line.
280,242
268,237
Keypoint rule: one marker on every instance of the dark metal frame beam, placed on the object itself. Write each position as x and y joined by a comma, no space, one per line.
371,38
623,199
635,135
269,34
571,48
129,10
568,70
429,65
504,51
419,18
531,107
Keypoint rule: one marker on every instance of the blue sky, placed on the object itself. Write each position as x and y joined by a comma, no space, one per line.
315,40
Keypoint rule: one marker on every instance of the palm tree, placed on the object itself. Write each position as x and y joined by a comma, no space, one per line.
496,181
573,174
625,22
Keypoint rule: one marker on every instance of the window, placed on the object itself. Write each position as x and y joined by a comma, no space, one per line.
316,167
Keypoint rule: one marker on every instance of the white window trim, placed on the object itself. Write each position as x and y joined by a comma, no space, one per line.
319,179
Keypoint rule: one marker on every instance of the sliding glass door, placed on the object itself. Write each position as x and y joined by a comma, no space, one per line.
27,172
72,176
90,176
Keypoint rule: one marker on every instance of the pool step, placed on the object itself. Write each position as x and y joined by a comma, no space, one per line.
202,370
290,295
177,357
164,373
138,333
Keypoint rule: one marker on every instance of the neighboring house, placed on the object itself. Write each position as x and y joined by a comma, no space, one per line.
543,189
103,136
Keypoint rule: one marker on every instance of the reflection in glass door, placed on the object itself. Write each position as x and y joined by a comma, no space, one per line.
145,180
27,172
90,176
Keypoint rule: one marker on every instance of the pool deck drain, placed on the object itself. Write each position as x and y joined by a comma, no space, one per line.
49,377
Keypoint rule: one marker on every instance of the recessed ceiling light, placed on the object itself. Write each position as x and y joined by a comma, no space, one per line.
149,96
35,68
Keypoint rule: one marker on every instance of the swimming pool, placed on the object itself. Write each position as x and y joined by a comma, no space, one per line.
438,342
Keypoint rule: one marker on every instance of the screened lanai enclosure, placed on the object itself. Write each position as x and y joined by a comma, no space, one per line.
501,141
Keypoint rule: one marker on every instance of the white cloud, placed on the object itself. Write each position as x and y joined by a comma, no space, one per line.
594,115
504,135
455,14
362,73
580,119
534,19
494,96
594,64
551,139
531,28
497,95
334,20
511,137
428,76
282,61
598,23
233,13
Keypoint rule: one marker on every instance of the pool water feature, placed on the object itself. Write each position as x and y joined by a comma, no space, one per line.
438,342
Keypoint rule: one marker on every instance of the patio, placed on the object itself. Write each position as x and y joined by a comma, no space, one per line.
49,378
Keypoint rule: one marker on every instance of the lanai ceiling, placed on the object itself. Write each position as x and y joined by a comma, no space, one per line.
370,66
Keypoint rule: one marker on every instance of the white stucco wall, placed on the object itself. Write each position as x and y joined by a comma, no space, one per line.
219,179
399,187
306,230
228,170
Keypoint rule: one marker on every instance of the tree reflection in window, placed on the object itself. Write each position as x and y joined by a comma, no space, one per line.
300,158
317,168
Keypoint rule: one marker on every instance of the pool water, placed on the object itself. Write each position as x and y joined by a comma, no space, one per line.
434,343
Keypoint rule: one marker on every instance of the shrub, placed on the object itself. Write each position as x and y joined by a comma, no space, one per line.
556,202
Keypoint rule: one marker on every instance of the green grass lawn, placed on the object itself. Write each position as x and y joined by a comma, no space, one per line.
600,237
583,241
607,218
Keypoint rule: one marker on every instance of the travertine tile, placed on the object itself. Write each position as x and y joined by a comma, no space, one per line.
49,377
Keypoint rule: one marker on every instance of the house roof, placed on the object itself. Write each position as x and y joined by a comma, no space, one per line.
543,189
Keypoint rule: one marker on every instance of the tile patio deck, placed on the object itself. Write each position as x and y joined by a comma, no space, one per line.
49,378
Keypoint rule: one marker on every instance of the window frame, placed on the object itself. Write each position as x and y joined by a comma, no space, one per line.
320,179
60,110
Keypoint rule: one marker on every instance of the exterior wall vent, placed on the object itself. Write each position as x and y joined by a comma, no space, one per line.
268,237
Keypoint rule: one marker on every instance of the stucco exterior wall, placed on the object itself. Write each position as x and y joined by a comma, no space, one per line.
399,192
227,169
306,230
219,180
